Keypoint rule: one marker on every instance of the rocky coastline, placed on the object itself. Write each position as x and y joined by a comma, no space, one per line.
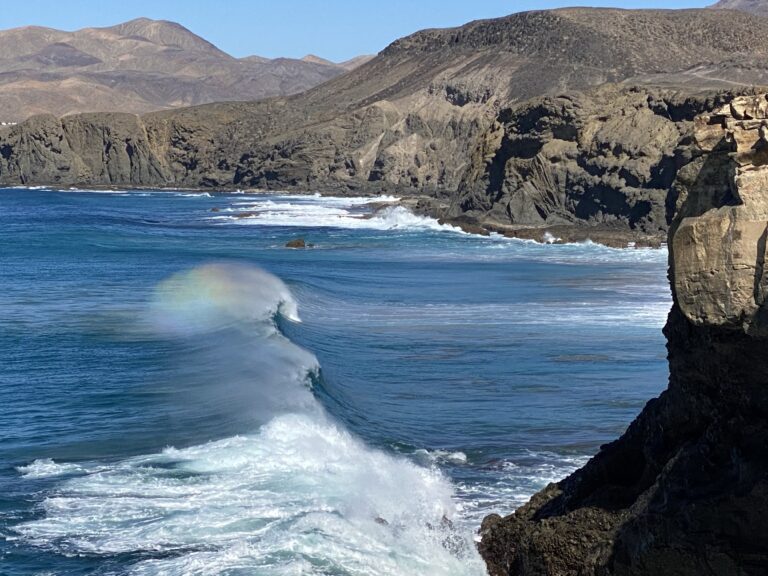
577,131
685,490
583,166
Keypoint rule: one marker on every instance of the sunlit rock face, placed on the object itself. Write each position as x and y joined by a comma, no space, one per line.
719,246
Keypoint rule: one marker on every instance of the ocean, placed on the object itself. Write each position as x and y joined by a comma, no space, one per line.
182,394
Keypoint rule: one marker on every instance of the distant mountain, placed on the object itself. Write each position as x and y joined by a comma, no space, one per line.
137,66
350,64
759,7
317,60
353,63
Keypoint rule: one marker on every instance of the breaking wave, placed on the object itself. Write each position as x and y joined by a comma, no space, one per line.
375,213
296,493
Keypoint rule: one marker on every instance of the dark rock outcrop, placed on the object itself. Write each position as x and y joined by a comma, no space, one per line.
685,490
296,243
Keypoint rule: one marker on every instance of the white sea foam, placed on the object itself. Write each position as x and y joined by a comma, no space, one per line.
298,495
302,492
47,468
333,212
435,457
193,195
511,483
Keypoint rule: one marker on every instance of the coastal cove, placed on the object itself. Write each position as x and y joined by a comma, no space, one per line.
148,430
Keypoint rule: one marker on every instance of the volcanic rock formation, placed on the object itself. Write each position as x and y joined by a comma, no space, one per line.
685,490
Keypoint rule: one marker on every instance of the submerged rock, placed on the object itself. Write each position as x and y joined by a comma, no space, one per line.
685,490
296,243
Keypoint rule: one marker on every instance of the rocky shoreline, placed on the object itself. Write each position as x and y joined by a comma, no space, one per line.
611,235
685,490
597,165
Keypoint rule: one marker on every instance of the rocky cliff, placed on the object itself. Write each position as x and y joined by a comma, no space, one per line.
609,156
547,118
685,490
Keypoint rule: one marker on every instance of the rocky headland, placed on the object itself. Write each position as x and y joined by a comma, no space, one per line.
685,490
573,121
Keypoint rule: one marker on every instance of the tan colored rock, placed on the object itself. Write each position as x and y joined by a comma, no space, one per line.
719,250
750,108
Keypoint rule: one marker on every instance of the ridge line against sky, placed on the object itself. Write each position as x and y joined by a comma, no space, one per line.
333,29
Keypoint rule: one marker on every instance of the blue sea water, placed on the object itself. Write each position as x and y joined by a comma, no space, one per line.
181,394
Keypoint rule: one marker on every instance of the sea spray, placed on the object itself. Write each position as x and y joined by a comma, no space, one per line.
296,494
379,213
218,295
234,363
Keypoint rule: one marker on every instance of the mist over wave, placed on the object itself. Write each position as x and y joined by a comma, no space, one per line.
296,493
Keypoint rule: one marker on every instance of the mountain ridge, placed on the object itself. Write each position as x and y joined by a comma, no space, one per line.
759,7
136,66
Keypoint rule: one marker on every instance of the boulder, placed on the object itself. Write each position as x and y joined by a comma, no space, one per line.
296,243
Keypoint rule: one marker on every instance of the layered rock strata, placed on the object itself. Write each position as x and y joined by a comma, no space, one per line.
685,490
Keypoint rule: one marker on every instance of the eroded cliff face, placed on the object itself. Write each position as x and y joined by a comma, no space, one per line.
719,254
608,156
685,490
417,145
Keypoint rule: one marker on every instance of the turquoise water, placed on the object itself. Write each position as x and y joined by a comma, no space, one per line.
183,395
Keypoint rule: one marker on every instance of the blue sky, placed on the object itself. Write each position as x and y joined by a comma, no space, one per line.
333,29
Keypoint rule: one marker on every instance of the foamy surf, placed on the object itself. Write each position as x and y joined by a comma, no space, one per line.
299,494
506,485
331,212
47,468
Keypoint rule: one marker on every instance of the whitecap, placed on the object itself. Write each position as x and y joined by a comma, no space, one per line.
301,490
439,457
47,468
331,212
